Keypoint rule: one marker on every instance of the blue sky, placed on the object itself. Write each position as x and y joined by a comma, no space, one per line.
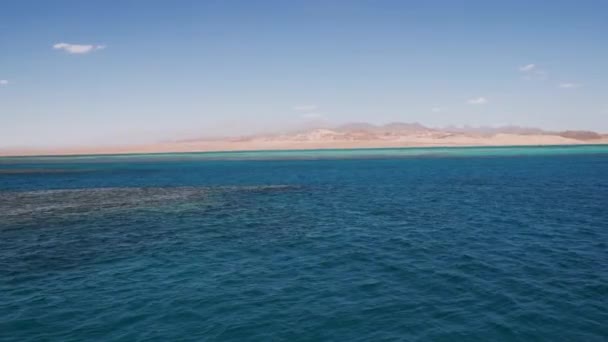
90,72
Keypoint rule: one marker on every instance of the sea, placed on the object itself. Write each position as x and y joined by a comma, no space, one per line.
416,244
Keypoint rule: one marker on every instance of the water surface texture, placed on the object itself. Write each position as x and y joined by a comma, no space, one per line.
496,244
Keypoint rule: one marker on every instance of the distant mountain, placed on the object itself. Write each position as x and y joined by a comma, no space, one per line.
400,131
354,135
391,128
581,135
356,126
407,129
400,127
495,130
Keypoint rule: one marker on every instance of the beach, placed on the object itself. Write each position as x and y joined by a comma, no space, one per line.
319,139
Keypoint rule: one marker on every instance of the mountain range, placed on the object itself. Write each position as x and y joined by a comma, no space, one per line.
351,135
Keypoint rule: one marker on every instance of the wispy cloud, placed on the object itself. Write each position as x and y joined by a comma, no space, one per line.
312,116
437,109
3,82
568,85
309,112
527,67
478,101
78,48
532,72
305,108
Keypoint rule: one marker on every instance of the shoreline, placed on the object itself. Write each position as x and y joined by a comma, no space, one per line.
150,150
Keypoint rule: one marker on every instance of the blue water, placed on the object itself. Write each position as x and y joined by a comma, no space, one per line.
496,244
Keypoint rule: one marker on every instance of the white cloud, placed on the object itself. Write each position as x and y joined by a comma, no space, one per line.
309,112
78,48
3,82
568,85
437,109
532,72
478,101
305,108
527,67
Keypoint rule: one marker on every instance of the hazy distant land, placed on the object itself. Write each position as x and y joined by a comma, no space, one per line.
354,135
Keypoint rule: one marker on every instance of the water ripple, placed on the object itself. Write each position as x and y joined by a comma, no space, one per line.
465,249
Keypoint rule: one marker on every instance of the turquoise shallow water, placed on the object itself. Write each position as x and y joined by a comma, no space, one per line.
372,153
501,244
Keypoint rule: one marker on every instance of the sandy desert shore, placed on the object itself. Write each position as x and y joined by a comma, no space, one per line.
325,139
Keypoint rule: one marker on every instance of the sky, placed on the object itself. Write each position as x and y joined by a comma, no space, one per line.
116,72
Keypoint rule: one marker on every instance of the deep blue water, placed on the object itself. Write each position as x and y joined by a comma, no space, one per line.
491,245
